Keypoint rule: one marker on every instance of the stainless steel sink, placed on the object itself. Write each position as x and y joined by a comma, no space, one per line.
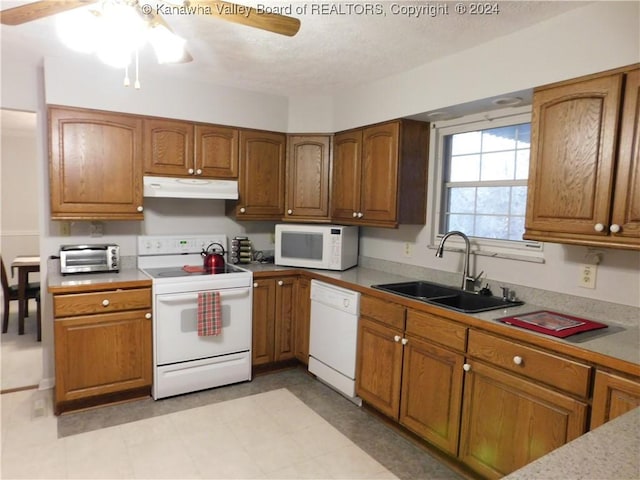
447,297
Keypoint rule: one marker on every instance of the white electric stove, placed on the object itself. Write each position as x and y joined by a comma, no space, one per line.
183,361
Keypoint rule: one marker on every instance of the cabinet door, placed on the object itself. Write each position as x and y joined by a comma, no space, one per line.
168,147
612,396
626,205
378,200
303,320
379,366
432,393
95,165
261,180
101,354
508,422
264,303
573,132
284,332
345,190
216,151
308,169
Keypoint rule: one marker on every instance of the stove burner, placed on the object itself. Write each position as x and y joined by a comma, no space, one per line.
172,272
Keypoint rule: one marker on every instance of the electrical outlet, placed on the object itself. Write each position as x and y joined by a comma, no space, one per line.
408,249
96,229
65,229
272,238
587,278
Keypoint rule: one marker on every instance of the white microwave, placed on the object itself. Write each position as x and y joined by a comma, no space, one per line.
328,247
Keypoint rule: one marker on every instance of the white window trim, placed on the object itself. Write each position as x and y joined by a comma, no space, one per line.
526,250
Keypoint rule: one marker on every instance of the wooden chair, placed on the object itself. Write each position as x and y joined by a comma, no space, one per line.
10,292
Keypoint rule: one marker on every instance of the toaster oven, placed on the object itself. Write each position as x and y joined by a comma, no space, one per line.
89,258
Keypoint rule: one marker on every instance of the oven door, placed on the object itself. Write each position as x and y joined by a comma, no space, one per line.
176,326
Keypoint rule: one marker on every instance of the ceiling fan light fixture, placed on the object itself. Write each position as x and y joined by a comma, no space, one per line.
77,30
168,46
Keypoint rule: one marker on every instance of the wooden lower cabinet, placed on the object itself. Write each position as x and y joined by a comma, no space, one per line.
508,422
99,356
303,320
613,396
274,315
432,392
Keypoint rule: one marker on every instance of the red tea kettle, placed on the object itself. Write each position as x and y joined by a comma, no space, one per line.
213,262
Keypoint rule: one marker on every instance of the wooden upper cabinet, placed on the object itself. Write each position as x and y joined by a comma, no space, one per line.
308,178
95,165
579,162
168,147
380,174
216,151
175,148
345,191
261,175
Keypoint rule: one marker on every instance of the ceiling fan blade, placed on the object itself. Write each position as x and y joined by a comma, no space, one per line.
249,16
154,20
36,10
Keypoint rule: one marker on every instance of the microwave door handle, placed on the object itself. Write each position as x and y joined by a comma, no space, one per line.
193,297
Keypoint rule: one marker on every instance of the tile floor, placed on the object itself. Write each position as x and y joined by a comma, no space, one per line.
280,425
21,355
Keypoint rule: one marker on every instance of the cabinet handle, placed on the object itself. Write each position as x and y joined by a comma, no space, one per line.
105,303
255,284
199,171
397,338
280,283
360,214
355,214
190,171
242,209
289,212
615,228
147,316
466,367
140,208
517,360
405,341
598,227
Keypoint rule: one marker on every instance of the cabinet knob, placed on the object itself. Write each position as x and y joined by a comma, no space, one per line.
598,227
289,212
397,338
242,209
190,171
615,228
255,284
147,316
140,208
466,367
360,214
517,360
199,171
355,214
280,283
405,341
105,303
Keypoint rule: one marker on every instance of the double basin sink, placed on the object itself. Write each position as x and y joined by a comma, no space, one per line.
447,297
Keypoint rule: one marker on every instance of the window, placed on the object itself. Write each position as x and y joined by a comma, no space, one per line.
482,180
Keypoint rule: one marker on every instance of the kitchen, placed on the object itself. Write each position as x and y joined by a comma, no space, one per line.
550,57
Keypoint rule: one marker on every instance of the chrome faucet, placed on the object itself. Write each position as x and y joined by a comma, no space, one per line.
468,281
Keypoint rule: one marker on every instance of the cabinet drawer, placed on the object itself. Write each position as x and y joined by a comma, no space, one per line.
558,372
437,329
386,312
101,302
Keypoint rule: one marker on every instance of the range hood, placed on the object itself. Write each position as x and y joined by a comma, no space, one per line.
173,187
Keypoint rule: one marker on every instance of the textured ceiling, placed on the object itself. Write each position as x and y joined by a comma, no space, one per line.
330,52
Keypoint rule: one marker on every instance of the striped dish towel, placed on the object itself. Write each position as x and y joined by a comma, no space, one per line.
209,314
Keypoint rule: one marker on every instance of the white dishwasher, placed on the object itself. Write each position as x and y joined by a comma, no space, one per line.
333,337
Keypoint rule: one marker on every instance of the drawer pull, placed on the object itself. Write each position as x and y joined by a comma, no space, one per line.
280,283
466,367
517,360
105,303
397,338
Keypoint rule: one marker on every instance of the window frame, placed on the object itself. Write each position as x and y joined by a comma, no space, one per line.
525,250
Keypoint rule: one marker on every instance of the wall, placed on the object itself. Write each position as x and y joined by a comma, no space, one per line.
19,202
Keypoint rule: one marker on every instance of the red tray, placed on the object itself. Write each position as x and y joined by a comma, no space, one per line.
552,323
